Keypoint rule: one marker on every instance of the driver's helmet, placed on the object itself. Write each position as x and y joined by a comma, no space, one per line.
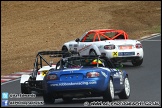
95,61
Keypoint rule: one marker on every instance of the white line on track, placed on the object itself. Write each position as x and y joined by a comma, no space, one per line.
10,81
152,40
9,76
5,79
150,37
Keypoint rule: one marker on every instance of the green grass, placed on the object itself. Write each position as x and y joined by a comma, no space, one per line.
156,29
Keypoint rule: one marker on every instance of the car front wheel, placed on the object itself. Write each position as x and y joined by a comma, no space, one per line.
24,89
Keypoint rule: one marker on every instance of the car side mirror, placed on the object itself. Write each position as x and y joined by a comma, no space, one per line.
77,40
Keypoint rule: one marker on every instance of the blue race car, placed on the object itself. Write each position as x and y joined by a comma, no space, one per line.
85,76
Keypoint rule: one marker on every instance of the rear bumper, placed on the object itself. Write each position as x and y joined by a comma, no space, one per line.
125,59
76,93
116,54
61,87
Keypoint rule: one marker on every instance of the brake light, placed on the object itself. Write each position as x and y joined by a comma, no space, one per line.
109,47
38,73
139,45
52,77
92,74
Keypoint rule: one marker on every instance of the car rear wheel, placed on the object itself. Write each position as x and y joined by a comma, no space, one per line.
137,62
109,93
48,98
24,89
125,93
92,52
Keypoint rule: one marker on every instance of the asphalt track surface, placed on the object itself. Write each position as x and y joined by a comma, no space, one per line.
145,81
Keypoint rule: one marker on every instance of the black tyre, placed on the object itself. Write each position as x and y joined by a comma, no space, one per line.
137,62
109,93
92,52
48,98
24,89
125,93
67,99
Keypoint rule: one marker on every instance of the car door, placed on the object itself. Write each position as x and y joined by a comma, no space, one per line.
86,42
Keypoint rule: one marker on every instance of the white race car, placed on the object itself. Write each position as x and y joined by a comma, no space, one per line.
108,42
33,82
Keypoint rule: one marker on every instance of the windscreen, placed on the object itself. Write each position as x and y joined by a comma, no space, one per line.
82,62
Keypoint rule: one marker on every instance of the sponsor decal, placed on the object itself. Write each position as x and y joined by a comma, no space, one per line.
84,48
74,83
115,54
104,74
44,73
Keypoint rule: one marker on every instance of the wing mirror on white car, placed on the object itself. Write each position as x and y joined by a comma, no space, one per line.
77,40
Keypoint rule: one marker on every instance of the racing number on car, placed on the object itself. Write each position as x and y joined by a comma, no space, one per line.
115,54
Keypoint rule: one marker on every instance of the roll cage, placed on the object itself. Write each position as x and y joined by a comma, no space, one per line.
52,54
106,34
